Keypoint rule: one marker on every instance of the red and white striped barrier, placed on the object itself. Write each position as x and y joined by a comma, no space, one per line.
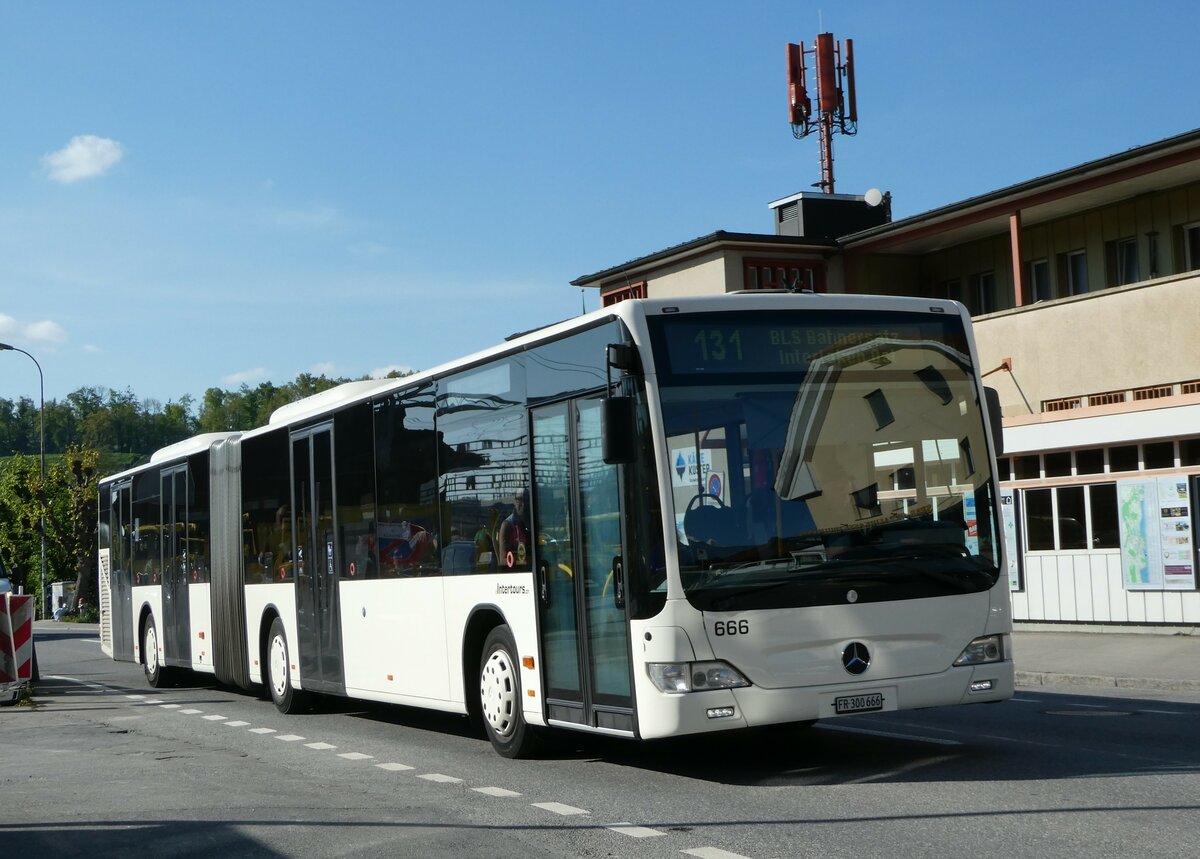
16,639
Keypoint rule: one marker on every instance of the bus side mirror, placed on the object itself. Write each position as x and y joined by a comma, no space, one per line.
617,436
992,398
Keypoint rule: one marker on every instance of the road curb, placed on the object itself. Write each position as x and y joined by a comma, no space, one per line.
1047,678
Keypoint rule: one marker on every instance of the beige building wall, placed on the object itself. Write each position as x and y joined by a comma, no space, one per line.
1120,339
695,276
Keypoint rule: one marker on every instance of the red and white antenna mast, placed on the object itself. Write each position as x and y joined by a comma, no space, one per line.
837,109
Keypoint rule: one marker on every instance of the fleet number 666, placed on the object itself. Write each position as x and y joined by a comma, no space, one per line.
731,627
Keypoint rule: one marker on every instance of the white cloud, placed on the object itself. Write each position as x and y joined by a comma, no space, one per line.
324,368
44,333
83,157
381,372
257,374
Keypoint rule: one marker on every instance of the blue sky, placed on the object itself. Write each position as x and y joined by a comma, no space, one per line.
198,195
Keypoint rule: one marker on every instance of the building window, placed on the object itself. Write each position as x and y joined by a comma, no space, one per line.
1189,451
1039,280
1027,467
1160,454
1191,247
983,292
1058,464
1106,533
790,274
635,290
951,289
1039,520
1089,461
1123,458
1122,262
1072,518
1073,271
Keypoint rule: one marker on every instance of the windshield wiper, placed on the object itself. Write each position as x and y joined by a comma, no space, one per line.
715,572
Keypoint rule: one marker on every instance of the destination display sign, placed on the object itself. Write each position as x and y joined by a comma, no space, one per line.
779,343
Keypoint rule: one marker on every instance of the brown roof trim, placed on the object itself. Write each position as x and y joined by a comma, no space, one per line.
712,240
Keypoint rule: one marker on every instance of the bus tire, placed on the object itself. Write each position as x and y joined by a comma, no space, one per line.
156,672
500,696
279,672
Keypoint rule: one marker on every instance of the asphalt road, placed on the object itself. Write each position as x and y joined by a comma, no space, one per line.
102,765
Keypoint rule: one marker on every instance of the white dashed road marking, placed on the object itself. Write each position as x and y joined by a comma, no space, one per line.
559,808
442,779
624,828
713,853
634,831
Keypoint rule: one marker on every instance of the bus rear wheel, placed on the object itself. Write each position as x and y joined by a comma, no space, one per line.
500,696
279,672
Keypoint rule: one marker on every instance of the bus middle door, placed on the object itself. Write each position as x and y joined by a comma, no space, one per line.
313,529
176,621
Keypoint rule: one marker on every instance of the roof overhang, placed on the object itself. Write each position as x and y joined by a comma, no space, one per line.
1157,166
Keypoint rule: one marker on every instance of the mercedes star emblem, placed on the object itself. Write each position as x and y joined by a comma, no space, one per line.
856,658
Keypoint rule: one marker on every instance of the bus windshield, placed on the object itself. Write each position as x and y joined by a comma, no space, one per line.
825,457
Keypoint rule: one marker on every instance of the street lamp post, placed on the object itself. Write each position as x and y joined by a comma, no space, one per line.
4,347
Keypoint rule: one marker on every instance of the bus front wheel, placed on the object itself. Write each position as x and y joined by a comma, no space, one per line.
500,696
279,671
156,672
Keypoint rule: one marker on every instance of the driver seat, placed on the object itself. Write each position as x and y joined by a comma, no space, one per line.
712,529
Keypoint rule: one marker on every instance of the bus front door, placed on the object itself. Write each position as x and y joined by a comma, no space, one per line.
583,623
176,621
313,529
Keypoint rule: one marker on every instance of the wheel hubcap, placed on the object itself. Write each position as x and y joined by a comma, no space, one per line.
278,666
498,693
151,650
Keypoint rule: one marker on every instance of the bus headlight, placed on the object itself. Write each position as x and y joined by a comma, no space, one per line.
694,676
985,649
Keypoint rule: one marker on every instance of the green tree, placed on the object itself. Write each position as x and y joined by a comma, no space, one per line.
20,541
71,501
65,503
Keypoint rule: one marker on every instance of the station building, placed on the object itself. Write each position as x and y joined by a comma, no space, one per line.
1084,288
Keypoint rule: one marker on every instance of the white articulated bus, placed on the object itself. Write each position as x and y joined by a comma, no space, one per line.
666,517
